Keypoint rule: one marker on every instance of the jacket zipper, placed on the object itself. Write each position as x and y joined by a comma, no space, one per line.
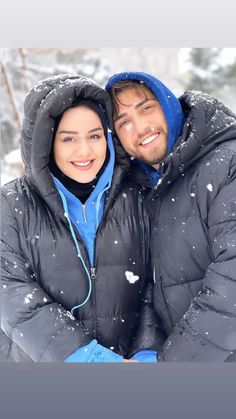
84,213
93,269
94,311
93,276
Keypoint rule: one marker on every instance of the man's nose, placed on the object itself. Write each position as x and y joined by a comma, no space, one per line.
142,127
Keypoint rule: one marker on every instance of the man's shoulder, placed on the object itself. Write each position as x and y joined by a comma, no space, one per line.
230,145
222,153
215,168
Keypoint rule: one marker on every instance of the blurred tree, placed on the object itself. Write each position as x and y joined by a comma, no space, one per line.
228,74
22,68
207,72
204,69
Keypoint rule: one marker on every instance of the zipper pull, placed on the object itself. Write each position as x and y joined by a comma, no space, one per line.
93,273
84,213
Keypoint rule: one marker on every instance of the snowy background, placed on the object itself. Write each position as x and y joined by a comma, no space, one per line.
212,70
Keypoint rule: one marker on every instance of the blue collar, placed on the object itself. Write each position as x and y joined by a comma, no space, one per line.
152,174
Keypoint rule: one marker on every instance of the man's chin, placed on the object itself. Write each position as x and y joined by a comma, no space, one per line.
151,160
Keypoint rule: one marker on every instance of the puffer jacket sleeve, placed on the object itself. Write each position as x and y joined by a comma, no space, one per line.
150,333
40,327
207,331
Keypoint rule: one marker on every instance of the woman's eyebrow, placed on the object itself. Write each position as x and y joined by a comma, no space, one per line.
96,129
77,132
68,132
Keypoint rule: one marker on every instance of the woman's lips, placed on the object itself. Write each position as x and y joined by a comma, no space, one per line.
82,165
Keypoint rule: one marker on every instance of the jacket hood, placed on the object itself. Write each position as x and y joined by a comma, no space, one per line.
202,123
169,103
44,103
209,123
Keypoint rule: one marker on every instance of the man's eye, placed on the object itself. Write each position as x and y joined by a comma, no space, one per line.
146,108
123,124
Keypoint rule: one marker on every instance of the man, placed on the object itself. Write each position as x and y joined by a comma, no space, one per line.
187,148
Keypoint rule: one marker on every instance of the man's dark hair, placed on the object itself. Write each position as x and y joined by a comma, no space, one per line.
123,85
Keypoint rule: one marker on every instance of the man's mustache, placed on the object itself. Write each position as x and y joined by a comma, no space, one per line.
148,133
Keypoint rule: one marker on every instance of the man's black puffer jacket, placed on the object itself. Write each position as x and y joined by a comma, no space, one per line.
42,276
193,240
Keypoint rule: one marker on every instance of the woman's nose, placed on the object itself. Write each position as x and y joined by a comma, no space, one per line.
83,147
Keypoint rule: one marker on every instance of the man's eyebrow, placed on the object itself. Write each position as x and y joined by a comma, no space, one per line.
77,132
122,115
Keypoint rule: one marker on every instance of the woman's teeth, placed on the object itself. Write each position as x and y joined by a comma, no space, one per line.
86,163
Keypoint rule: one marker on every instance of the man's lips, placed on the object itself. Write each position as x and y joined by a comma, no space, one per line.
150,140
83,165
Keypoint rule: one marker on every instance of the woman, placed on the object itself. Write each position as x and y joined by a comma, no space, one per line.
75,236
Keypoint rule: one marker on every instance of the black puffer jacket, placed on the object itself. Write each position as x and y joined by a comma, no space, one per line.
42,276
193,240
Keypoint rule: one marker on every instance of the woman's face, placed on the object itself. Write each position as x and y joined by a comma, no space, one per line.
80,144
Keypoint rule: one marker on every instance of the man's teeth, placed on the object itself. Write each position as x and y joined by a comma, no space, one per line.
149,139
86,163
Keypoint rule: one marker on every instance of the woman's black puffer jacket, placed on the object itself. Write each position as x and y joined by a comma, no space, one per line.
42,276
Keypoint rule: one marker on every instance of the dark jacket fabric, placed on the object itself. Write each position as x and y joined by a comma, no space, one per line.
193,240
193,211
42,276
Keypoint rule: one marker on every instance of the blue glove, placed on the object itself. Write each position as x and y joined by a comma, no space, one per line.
147,355
93,352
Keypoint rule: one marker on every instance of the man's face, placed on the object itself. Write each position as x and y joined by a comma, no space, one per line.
141,126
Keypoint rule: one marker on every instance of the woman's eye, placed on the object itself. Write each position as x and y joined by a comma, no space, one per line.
95,137
68,139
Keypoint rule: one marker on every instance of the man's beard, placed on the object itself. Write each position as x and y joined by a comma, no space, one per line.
159,151
153,160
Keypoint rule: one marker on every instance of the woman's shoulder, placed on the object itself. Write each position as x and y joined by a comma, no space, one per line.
12,187
15,185
17,190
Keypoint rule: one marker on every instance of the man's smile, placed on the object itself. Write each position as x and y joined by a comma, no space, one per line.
150,140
